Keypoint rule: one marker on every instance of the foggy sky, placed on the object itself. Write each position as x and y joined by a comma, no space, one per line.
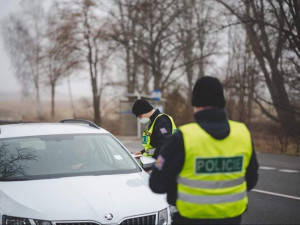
9,84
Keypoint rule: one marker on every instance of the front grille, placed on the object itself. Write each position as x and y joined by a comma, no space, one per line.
144,220
77,223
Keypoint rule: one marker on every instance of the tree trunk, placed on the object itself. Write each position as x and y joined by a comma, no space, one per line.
71,98
274,78
157,82
96,102
130,83
39,104
250,95
52,100
285,112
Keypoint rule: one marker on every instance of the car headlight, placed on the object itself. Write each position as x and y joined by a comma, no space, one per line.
11,220
163,217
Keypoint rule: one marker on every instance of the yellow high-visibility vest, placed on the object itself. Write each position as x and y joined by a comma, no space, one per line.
146,139
212,182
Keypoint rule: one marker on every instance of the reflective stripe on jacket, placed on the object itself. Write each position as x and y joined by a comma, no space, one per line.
146,139
212,183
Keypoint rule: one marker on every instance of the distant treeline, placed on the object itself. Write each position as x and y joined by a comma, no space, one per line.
143,45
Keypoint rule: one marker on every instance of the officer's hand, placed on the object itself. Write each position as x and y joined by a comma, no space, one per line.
137,153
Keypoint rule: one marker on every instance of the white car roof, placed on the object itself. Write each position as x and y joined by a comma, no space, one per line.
35,129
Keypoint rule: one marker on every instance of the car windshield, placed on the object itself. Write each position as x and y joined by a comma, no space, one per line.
52,156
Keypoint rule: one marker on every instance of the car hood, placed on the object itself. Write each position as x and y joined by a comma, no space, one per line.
81,198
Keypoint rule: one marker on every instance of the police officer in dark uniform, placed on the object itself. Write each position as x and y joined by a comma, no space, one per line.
207,167
160,127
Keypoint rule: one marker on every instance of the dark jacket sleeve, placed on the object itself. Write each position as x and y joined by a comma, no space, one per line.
169,164
252,171
161,132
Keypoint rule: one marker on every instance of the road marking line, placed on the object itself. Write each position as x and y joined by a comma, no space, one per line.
276,194
289,171
282,170
267,168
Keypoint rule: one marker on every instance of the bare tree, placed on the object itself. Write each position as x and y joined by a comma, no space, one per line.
147,34
289,9
242,76
196,36
127,35
59,58
90,33
159,44
23,37
268,44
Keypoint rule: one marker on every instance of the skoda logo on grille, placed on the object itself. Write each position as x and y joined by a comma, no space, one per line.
109,216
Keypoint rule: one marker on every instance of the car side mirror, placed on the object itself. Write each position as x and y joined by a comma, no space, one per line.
147,162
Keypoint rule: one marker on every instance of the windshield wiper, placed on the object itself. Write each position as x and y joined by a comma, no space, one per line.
14,179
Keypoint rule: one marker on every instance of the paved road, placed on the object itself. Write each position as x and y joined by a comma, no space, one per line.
276,198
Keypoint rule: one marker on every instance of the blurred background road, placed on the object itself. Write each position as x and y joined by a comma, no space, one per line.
276,198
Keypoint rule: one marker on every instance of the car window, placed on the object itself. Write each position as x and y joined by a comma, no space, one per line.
63,155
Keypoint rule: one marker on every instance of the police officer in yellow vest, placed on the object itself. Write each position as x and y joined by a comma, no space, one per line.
207,167
160,127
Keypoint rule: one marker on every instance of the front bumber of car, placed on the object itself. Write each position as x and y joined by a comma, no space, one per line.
106,199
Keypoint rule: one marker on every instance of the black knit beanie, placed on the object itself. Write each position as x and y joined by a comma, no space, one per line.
208,91
140,107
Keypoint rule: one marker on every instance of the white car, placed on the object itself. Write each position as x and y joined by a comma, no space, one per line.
73,172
